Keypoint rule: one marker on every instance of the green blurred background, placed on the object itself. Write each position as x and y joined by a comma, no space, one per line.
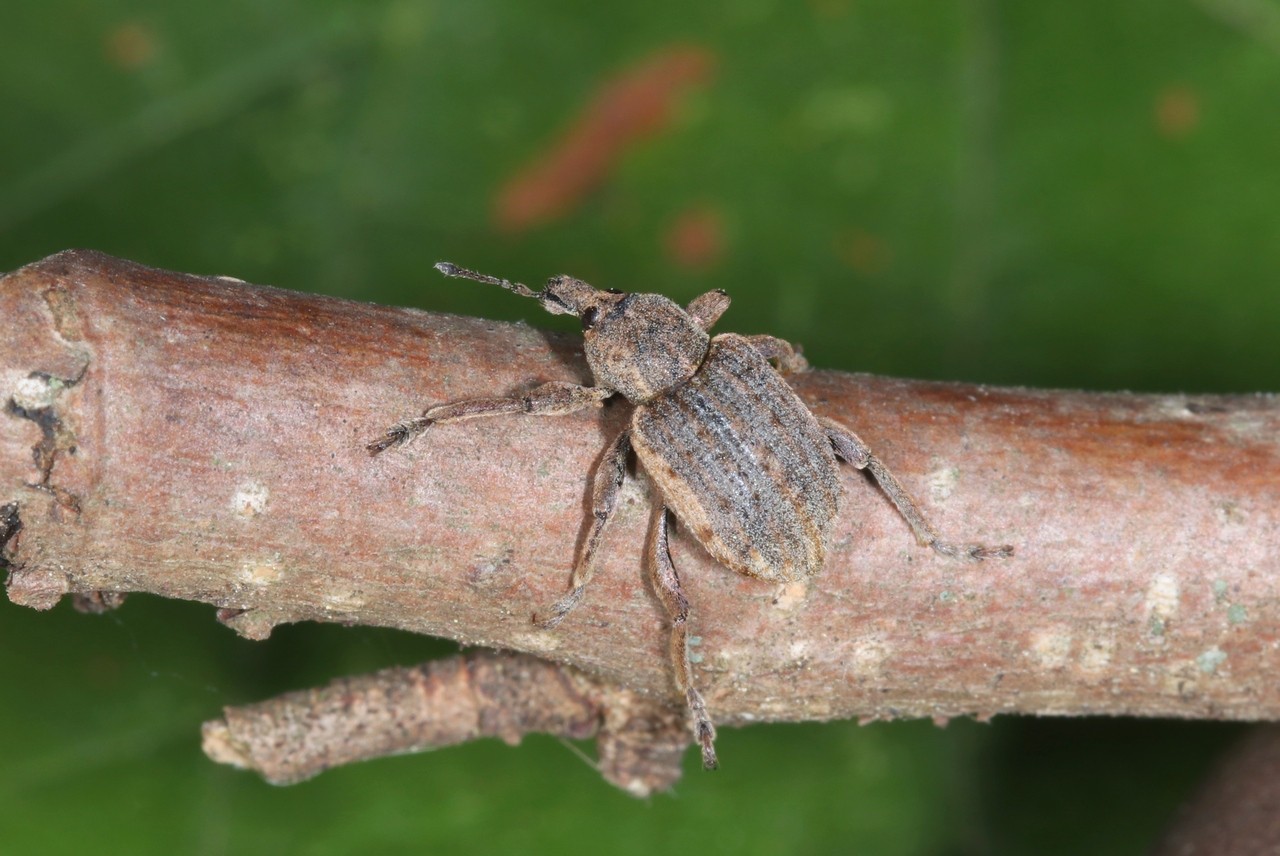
1077,194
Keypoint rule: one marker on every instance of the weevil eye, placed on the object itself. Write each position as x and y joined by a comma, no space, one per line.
553,304
589,317
613,291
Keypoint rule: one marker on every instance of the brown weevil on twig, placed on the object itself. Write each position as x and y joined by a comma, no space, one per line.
734,453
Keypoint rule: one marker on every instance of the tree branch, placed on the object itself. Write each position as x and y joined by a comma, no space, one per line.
202,438
480,694
1237,808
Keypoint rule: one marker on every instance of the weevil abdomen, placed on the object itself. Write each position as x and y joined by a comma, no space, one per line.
743,464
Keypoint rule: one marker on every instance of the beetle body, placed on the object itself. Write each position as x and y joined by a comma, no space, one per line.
743,464
730,448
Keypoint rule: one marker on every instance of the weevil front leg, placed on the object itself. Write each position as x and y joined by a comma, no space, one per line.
550,399
667,586
789,360
850,447
604,499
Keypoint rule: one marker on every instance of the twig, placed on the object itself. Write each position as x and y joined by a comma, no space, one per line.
202,438
480,694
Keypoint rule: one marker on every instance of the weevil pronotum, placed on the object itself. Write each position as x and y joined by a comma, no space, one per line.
732,451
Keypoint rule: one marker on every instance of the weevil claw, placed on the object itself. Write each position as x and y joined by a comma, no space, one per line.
559,610
381,445
971,552
709,759
703,729
398,434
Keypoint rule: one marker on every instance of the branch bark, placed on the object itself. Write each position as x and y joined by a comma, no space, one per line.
203,438
479,694
1237,808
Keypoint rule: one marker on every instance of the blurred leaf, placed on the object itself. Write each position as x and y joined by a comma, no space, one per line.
1075,194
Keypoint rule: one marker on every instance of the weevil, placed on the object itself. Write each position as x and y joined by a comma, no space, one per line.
733,453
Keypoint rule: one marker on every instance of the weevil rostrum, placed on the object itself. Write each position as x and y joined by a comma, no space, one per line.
731,450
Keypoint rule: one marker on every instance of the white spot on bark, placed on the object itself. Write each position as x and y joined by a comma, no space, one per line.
1175,407
817,709
790,595
1211,659
942,483
1095,656
250,499
536,643
869,656
633,497
1161,602
1051,646
1230,514
261,572
36,393
342,600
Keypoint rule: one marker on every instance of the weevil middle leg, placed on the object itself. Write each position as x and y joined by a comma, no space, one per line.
666,584
550,399
783,353
849,447
604,499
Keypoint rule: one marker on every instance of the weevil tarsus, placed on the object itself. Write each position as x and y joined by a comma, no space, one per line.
551,619
666,584
850,448
401,432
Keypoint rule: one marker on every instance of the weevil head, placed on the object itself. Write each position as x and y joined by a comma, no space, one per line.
565,295
640,345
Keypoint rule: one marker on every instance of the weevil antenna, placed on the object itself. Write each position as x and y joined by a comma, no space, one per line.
450,269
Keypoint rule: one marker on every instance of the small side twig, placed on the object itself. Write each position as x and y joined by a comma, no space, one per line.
478,694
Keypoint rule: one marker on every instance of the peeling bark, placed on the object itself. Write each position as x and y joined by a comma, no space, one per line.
202,438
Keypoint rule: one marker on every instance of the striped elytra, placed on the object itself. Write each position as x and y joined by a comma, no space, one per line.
742,463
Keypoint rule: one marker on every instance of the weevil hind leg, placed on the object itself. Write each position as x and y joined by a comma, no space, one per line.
849,447
666,585
604,500
549,399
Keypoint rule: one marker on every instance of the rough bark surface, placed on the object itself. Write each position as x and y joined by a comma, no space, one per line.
203,438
